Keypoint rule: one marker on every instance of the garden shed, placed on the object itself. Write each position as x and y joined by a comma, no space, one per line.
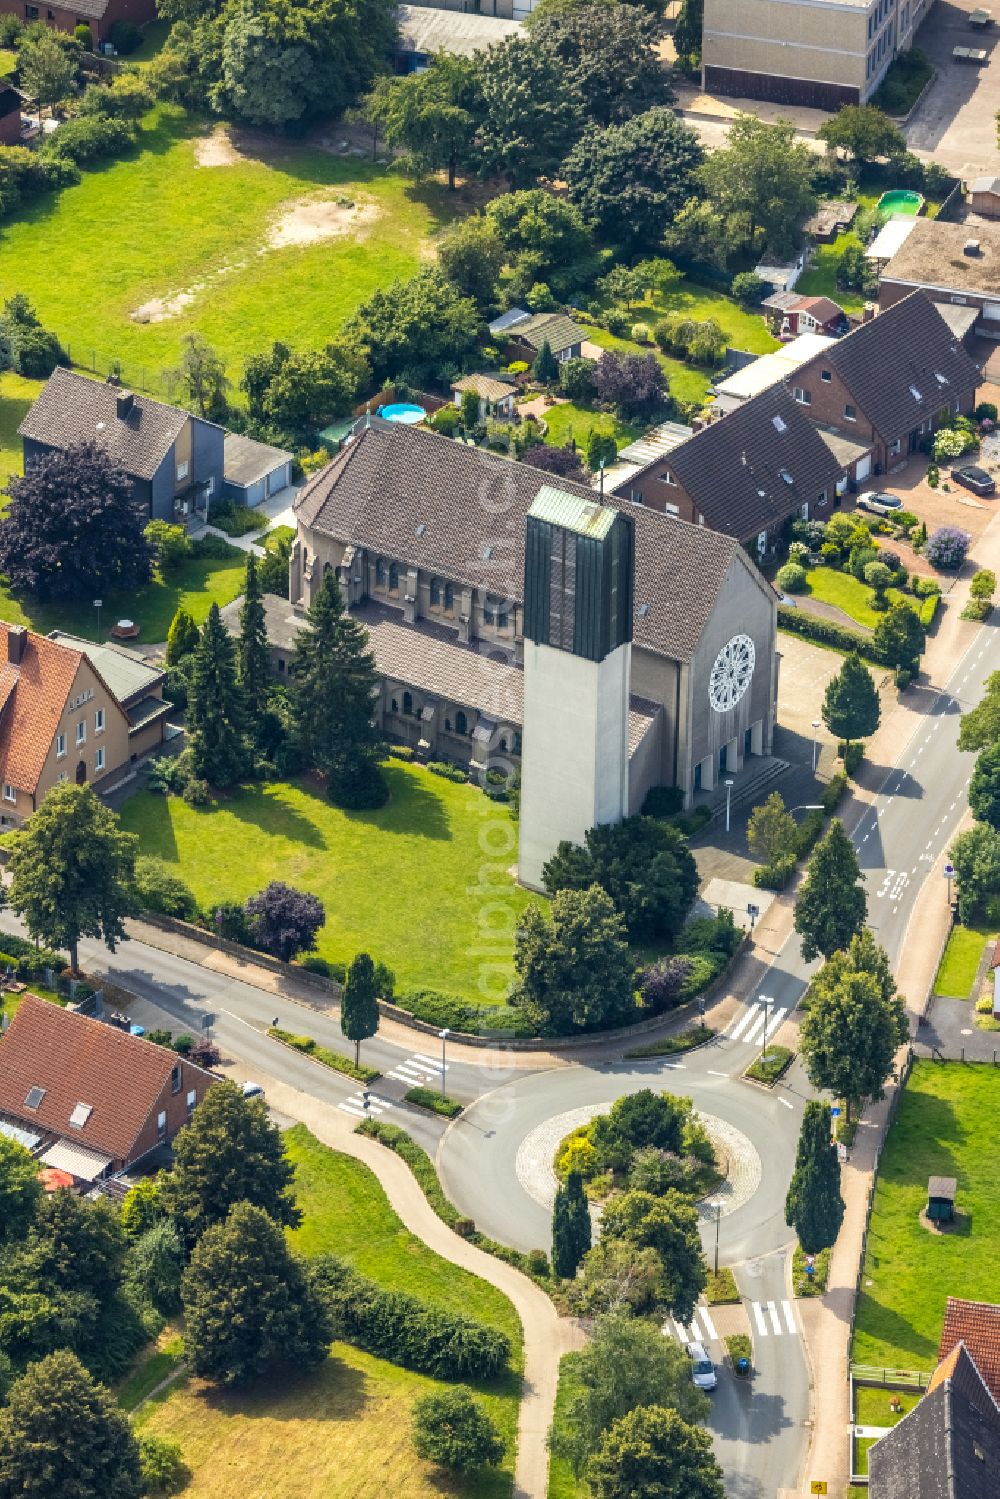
941,1192
253,470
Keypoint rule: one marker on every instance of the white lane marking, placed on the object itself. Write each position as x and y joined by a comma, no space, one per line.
759,1319
708,1324
775,1319
751,1013
789,1317
712,1073
676,1066
786,1103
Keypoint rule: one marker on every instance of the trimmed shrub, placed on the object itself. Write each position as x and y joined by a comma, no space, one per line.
125,37
398,1327
928,609
985,411
662,983
158,888
925,587
447,771
663,801
89,138
791,578
853,754
947,548
777,875
833,791
902,678
809,831
747,288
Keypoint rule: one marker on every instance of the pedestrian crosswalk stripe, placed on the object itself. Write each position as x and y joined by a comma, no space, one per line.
427,1068
774,1315
700,1330
775,1319
707,1323
683,1334
749,1014
419,1056
410,1073
789,1317
400,1077
356,1105
758,1316
352,1108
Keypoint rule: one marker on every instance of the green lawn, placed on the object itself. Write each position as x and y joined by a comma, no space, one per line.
960,961
153,36
820,280
8,61
686,382
157,225
861,1446
743,329
16,395
196,584
568,420
847,593
871,1406
945,1126
409,883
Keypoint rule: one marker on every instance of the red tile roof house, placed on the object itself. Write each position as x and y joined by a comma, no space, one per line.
977,1325
96,1099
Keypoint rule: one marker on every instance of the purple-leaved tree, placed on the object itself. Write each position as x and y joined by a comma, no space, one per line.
564,461
947,548
284,921
632,383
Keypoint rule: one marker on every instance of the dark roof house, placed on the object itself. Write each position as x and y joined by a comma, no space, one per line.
533,329
948,1446
747,473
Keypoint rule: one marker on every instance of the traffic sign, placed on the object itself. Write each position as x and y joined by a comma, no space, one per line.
949,871
835,1109
818,1486
752,910
207,1021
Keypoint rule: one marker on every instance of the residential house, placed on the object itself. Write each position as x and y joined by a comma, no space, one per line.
174,460
818,53
61,717
747,474
524,333
425,31
496,396
88,1098
956,264
807,314
98,15
252,470
976,1324
984,197
761,372
948,1445
780,274
889,383
427,538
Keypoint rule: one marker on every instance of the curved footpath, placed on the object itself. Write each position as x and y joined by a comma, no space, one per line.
547,1336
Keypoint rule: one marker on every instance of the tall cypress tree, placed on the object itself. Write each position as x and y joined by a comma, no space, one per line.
814,1206
832,903
253,661
215,712
570,1226
359,1003
336,689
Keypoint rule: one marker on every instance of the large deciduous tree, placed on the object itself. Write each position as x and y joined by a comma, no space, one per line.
652,1453
216,714
248,1302
359,1014
230,1152
832,904
20,1189
73,528
850,704
253,656
418,326
471,254
850,1035
336,689
201,378
762,181
62,1436
609,53
574,968
46,69
634,384
984,787
898,638
530,114
976,857
284,921
813,1204
545,230
645,866
863,133
980,726
631,180
430,116
72,869
669,1225
627,1363
570,1226
772,832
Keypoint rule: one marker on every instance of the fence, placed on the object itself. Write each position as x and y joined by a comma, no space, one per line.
135,376
890,1379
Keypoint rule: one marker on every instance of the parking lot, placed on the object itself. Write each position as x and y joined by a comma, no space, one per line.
954,121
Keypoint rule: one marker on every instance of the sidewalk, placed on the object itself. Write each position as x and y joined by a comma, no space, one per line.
547,1336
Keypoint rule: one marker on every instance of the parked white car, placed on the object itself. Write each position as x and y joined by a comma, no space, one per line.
702,1369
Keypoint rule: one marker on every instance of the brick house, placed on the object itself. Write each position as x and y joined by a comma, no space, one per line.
99,15
10,116
94,1099
958,265
746,474
889,383
61,715
807,314
176,461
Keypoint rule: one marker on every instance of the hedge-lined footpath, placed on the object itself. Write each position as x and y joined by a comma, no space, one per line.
825,632
332,1059
535,1264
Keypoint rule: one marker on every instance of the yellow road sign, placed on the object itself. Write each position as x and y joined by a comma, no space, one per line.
818,1486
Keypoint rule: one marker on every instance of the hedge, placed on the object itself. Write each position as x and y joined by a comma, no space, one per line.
440,1010
928,609
833,791
332,1059
437,1103
398,1327
534,1264
799,622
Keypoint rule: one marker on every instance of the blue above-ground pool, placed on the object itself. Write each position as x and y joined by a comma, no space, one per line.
402,411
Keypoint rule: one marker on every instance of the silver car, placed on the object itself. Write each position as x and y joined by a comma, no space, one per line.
702,1369
879,502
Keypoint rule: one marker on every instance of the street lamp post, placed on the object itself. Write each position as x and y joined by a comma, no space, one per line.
718,1219
444,1041
949,874
815,726
97,606
729,793
767,1001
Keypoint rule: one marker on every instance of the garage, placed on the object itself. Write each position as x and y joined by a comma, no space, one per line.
253,471
864,468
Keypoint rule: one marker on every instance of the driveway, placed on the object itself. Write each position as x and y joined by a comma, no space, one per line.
954,121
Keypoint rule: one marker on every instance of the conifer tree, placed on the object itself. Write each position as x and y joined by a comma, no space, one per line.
545,367
832,903
850,705
253,661
215,708
182,637
570,1226
336,689
359,1003
814,1206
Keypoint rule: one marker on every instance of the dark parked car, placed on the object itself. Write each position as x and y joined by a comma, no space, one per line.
975,478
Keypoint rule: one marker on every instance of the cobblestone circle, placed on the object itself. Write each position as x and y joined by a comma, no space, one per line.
537,1176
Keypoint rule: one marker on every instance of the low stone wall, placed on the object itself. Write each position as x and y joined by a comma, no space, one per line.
331,989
